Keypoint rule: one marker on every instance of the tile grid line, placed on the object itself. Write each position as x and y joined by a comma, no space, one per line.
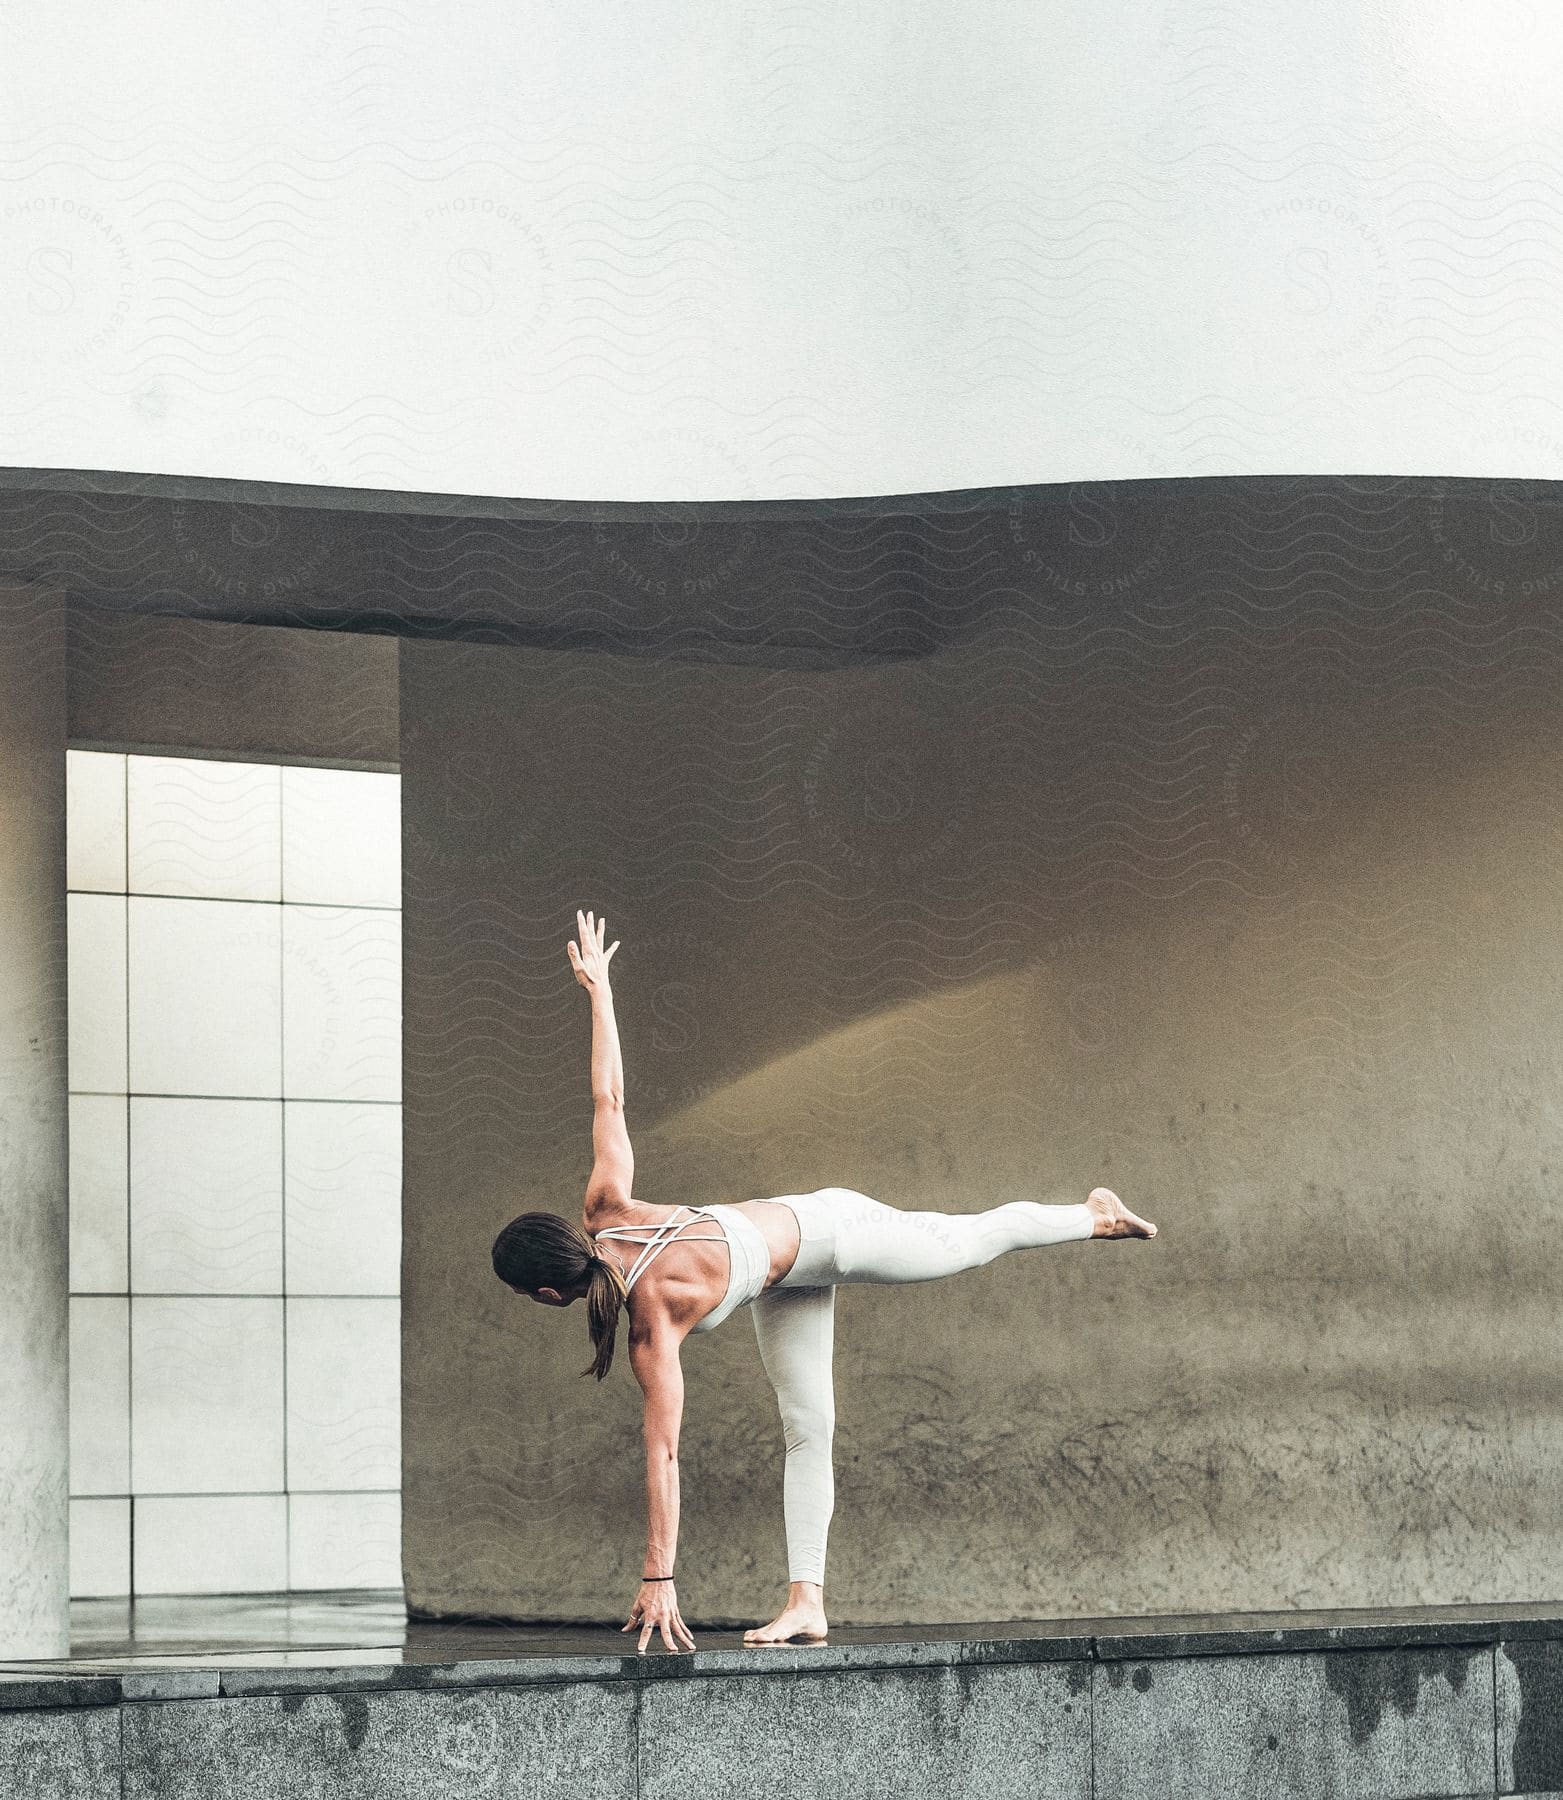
1093,1668
130,1335
130,893
212,1294
282,1126
256,1099
1493,1667
250,1494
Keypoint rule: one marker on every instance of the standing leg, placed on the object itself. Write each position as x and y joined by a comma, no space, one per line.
795,1328
846,1236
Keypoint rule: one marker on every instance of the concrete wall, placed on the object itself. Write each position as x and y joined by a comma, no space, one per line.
1458,1718
34,1223
1220,866
208,687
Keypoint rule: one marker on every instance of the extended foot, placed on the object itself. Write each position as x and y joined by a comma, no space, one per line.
1113,1218
802,1617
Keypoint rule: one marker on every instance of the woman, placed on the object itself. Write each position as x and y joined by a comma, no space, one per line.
784,1257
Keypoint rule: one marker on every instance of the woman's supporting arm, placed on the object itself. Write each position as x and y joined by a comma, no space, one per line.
659,1372
654,1358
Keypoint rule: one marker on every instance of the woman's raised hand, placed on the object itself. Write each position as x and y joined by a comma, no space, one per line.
588,958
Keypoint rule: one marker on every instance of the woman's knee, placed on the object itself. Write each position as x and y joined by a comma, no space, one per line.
808,1422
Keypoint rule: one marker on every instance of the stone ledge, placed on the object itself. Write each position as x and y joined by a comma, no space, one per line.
1432,1722
1391,1723
583,1655
43,1692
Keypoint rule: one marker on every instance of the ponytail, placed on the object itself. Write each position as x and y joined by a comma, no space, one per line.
605,1296
540,1249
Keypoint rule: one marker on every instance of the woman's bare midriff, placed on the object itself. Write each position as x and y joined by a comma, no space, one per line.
778,1225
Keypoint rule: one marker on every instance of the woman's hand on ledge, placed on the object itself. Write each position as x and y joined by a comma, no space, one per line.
656,1609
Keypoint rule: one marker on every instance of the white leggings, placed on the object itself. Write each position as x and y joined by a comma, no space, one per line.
848,1237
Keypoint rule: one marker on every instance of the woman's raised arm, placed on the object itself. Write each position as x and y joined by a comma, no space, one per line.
613,1164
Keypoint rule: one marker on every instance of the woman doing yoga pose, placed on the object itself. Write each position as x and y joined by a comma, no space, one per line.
784,1257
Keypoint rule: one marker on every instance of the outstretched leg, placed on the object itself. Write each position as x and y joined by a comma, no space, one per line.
884,1243
848,1237
795,1327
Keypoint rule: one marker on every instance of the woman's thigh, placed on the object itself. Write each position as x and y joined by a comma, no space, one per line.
876,1242
848,1236
795,1329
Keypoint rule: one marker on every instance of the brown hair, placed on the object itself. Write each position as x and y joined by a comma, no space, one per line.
541,1250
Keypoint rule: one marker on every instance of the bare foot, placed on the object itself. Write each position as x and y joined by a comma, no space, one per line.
802,1617
1113,1218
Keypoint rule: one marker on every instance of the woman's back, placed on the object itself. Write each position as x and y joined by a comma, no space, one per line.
647,1230
696,1264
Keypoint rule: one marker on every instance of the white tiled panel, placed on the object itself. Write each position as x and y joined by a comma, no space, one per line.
203,1191
98,1194
95,953
99,1395
205,997
344,1394
100,1548
212,1544
206,1396
345,1540
344,1197
94,820
206,1196
342,1003
208,828
341,837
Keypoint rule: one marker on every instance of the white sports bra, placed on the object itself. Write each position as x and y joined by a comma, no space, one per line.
748,1255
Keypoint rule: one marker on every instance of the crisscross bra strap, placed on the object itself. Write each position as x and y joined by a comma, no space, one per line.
661,1236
